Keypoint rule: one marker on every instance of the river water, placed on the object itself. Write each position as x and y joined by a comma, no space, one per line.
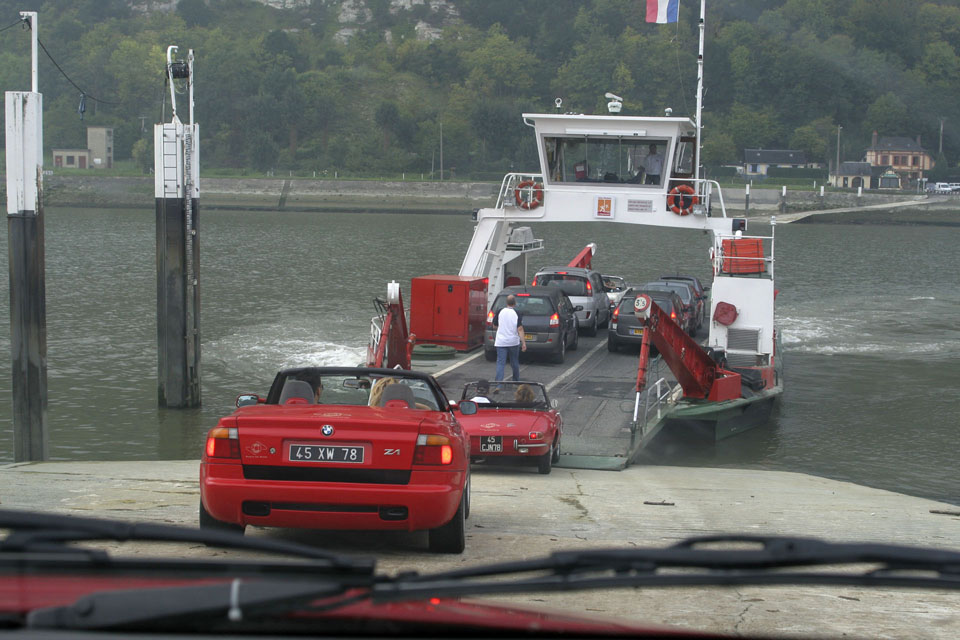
868,315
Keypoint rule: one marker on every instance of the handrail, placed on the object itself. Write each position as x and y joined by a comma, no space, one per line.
660,391
509,183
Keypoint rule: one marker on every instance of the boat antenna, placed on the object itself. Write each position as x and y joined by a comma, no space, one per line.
703,8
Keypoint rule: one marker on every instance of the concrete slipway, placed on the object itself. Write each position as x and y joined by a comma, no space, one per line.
518,513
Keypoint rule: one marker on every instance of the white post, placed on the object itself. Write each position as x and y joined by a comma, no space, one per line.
28,309
821,191
703,9
31,17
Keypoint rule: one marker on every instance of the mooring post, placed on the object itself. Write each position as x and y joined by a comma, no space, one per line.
746,200
177,192
25,240
822,198
783,199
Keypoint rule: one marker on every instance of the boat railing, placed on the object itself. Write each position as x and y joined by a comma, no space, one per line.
704,189
744,256
509,185
656,399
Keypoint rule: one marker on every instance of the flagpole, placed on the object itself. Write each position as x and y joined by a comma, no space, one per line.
703,7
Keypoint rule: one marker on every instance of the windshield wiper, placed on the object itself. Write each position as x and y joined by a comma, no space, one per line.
769,560
51,533
692,562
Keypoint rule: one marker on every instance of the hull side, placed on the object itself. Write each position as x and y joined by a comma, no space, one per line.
720,420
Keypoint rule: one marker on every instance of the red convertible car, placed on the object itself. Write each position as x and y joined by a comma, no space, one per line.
341,448
513,421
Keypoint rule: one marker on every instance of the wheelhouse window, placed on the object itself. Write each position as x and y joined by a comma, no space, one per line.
620,160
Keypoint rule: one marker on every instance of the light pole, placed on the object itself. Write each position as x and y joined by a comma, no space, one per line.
940,146
836,170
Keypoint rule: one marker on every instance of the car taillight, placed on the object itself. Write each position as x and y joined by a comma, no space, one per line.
490,317
589,287
555,320
616,314
673,315
535,435
534,283
433,450
223,442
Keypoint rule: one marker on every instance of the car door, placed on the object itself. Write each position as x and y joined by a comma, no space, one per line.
600,297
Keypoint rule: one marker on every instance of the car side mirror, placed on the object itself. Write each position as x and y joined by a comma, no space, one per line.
467,407
579,307
247,399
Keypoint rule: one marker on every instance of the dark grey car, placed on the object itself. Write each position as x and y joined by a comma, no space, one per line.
626,329
549,321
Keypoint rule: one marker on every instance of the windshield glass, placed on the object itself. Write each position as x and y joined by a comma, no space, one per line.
316,387
570,284
506,395
527,304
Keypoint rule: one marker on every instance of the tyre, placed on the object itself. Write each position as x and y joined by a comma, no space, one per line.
561,353
490,355
612,345
545,462
592,329
576,341
556,450
450,538
208,522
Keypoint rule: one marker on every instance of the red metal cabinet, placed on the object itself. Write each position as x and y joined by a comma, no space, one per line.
448,310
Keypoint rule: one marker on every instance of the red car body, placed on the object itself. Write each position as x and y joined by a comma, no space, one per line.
339,464
527,429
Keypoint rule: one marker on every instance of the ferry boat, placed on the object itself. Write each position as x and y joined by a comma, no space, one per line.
645,171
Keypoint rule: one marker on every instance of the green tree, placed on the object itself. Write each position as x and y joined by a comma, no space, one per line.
888,116
500,67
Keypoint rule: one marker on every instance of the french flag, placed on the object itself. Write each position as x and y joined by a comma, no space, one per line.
662,11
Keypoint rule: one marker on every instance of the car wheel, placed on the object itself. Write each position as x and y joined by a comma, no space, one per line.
556,450
450,538
466,510
545,462
207,521
592,330
576,341
561,353
612,345
490,355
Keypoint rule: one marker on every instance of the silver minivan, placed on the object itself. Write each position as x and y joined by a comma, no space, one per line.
584,287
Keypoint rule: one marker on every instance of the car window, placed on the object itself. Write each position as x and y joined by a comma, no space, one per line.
569,284
527,305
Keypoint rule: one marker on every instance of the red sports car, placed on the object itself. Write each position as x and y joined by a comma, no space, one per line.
341,448
514,420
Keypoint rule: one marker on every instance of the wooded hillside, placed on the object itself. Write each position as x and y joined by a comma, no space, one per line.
364,86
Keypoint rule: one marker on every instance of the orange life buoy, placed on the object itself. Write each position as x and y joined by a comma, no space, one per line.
536,198
679,203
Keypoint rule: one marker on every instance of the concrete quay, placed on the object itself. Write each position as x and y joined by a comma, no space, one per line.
518,513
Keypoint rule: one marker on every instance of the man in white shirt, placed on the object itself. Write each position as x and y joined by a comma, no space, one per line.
510,338
653,165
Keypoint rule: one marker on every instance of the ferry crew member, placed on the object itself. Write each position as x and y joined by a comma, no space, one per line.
653,165
510,338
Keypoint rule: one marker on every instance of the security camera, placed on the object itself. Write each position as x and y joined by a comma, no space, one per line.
610,96
558,102
668,111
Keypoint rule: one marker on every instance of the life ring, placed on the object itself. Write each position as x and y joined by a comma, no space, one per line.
679,203
536,199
